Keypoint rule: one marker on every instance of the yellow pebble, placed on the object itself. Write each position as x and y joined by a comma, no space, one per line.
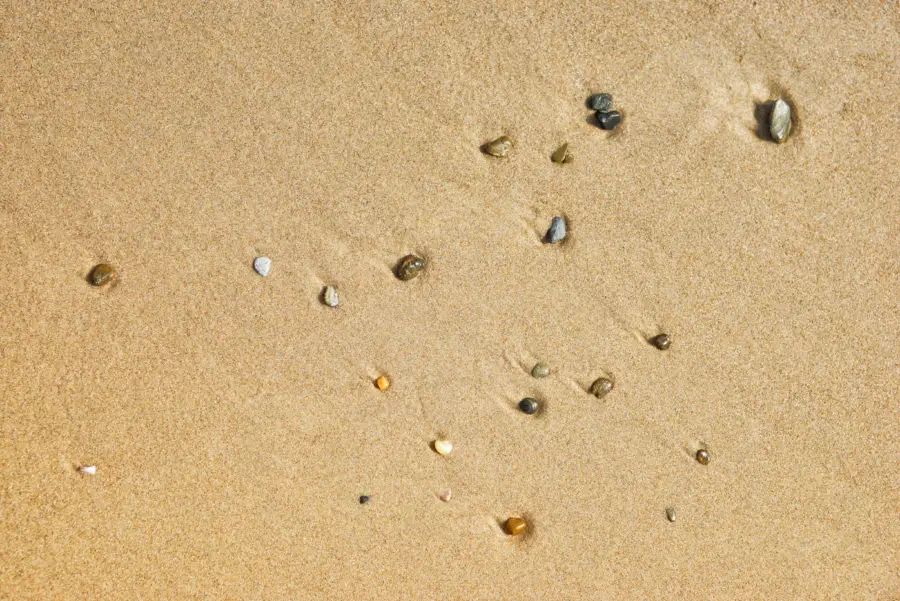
515,526
382,383
443,447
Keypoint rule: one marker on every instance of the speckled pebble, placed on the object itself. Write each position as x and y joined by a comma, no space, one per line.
600,102
601,387
780,121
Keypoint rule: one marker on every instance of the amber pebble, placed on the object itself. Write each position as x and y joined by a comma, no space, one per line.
602,387
102,274
561,155
443,447
670,514
515,526
409,267
661,341
702,456
383,383
499,147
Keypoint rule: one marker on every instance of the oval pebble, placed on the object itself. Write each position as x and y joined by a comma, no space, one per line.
528,406
515,526
102,274
670,514
601,387
443,447
499,147
409,267
262,265
330,296
540,370
661,341
780,121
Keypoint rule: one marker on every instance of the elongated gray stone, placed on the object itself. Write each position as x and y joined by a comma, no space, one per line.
780,121
557,230
262,265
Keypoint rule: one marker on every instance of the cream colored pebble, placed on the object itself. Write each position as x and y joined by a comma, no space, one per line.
443,447
90,470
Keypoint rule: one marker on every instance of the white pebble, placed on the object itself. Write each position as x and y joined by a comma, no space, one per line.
331,296
443,447
90,470
262,265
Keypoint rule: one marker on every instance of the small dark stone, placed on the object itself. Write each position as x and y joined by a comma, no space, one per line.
363,499
661,341
557,231
609,121
602,387
600,102
702,457
409,267
528,405
102,274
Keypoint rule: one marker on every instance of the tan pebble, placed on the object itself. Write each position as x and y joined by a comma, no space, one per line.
670,514
516,526
383,383
602,387
561,155
499,147
102,274
443,447
446,495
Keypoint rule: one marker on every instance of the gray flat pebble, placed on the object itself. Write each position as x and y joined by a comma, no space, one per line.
557,231
330,296
600,102
780,121
262,265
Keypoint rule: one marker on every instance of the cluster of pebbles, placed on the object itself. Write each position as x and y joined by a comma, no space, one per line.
411,266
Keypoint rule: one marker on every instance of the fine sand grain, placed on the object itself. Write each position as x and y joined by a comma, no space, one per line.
233,419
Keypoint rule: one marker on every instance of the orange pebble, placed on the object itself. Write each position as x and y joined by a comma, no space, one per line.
515,526
382,383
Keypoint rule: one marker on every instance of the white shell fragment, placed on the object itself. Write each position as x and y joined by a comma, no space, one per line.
262,265
780,121
443,447
90,470
330,296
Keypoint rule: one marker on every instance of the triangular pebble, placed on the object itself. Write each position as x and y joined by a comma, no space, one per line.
262,265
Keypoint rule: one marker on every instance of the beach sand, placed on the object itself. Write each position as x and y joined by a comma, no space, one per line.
233,419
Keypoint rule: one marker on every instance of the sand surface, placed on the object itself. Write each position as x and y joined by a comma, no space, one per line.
233,419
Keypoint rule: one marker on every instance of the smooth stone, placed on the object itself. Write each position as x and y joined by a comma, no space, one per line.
446,495
609,120
702,457
102,274
557,230
670,514
443,447
409,267
330,296
602,387
262,265
780,121
363,499
528,405
499,147
382,383
540,370
600,102
661,341
561,154
515,526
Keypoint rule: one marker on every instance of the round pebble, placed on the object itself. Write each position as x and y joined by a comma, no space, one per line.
443,447
561,154
102,274
702,457
499,147
446,495
409,267
609,120
780,121
557,231
661,341
600,102
670,514
540,370
528,405
515,526
330,296
602,387
262,265
382,383
363,499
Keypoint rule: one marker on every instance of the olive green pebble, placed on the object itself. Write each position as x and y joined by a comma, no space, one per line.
409,267
661,341
670,514
499,147
102,274
540,370
780,121
561,155
702,457
602,387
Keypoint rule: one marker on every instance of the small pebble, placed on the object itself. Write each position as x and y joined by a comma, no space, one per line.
102,274
610,120
540,370
499,147
602,387
702,457
561,154
90,470
661,341
330,296
382,383
600,102
262,265
409,267
557,230
443,447
670,514
515,526
446,495
780,121
528,405
363,499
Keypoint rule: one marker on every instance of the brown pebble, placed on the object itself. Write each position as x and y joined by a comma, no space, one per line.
661,341
515,526
409,267
670,514
102,274
499,147
561,155
602,387
702,457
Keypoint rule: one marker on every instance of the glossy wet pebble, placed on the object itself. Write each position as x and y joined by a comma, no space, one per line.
561,154
515,526
443,447
702,457
364,499
600,102
330,296
670,514
661,341
409,267
602,387
780,121
262,265
499,147
382,383
102,274
609,120
528,406
557,231
540,370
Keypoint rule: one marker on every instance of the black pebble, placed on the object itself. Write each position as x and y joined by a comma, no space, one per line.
600,102
609,121
528,405
661,341
363,499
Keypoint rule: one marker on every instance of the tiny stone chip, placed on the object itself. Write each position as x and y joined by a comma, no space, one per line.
557,231
661,341
443,447
540,370
609,120
602,387
330,296
90,470
262,265
102,274
446,495
409,267
670,514
600,102
499,147
780,121
561,155
364,499
515,526
528,405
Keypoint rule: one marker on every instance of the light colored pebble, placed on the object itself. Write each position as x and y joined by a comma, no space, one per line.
499,147
443,447
262,265
446,495
330,296
90,470
557,231
670,514
602,387
540,370
780,121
